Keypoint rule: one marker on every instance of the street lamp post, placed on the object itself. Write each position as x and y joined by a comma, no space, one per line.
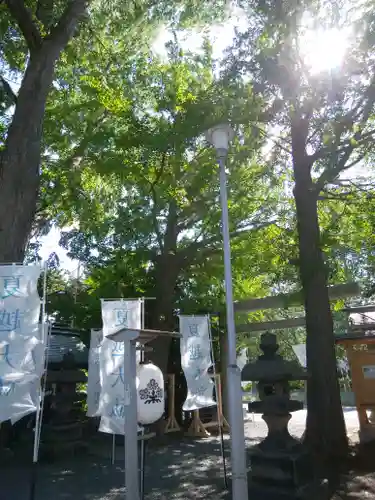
219,137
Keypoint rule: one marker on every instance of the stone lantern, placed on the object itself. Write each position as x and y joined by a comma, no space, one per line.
280,465
64,430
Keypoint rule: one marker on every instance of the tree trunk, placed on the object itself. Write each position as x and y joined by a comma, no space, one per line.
166,273
19,167
20,159
326,430
163,308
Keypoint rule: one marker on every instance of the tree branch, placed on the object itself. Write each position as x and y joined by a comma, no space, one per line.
155,201
23,17
330,174
354,142
275,141
64,30
44,12
75,159
8,90
213,244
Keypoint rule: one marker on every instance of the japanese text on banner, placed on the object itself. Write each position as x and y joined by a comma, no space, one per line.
116,314
21,346
196,360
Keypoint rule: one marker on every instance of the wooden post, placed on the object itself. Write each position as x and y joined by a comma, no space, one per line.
171,424
198,428
219,398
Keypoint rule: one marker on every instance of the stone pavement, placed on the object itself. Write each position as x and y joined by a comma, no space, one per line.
257,429
177,468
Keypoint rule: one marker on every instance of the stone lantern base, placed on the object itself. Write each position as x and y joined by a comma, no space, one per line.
283,475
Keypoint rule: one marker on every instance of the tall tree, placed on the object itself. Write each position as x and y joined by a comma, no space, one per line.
326,123
33,35
144,197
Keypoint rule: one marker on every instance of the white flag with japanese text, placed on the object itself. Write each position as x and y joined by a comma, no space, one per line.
22,346
116,314
195,347
19,301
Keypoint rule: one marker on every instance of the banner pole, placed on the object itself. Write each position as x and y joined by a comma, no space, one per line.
113,448
219,419
40,408
142,353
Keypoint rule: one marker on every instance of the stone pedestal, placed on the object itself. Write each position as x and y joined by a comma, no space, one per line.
281,467
64,431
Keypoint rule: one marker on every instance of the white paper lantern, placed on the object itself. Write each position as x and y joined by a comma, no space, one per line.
150,393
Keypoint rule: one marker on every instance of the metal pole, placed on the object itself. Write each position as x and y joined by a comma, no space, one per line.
219,419
142,353
113,449
142,462
236,423
131,423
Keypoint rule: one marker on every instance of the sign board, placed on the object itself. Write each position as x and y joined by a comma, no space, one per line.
369,371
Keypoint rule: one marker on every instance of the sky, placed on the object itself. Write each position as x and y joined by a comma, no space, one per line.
50,244
321,51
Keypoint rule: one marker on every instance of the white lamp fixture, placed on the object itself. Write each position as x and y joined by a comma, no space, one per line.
220,137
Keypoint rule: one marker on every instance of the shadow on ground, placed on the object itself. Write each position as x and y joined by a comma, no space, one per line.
176,469
358,478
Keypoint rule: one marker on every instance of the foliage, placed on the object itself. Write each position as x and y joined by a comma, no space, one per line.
144,197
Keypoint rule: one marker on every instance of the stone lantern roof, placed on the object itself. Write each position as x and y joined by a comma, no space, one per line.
270,366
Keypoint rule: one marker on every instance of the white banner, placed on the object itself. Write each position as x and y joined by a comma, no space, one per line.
116,314
115,423
300,352
242,358
195,347
21,356
17,397
21,346
19,301
93,380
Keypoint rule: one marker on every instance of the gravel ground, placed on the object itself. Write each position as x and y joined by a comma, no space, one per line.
178,468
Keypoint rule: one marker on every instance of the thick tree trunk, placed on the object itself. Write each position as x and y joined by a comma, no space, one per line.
167,269
163,307
19,167
20,159
325,422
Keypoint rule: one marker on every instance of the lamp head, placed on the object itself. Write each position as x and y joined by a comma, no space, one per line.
220,137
